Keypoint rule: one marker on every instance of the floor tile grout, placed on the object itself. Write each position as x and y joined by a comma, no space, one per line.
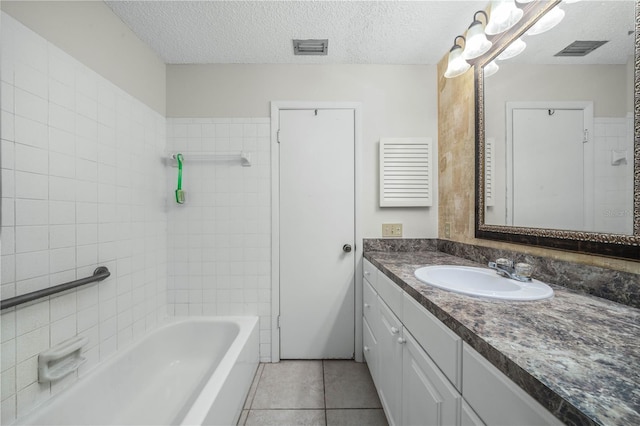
324,394
324,409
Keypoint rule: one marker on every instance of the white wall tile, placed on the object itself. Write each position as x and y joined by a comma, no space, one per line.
32,343
27,372
31,185
61,236
86,191
86,170
7,97
61,117
63,329
31,238
30,159
31,317
8,240
76,139
62,165
219,249
27,212
29,79
33,264
29,132
61,94
62,259
63,306
62,141
62,189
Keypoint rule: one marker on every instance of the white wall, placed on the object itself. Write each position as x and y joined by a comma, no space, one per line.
220,239
91,33
82,185
398,101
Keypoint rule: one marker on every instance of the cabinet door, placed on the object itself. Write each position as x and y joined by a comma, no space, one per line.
469,417
370,349
370,307
428,398
390,362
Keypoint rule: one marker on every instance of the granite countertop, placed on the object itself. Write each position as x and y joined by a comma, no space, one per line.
578,355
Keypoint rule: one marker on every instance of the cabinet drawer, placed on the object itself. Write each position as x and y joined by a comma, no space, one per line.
369,272
495,398
370,306
442,344
390,293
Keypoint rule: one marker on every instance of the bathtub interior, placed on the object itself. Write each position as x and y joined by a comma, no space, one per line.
160,379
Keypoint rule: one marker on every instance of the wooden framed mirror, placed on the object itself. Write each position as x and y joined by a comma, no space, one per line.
528,189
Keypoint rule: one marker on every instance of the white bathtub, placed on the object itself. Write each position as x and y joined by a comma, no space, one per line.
192,371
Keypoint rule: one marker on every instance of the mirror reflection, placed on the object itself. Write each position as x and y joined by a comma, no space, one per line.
559,126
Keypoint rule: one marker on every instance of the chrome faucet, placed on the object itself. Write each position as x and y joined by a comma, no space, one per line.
505,268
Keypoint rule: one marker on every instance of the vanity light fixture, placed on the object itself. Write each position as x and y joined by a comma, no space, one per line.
513,50
504,15
548,21
456,65
490,69
476,43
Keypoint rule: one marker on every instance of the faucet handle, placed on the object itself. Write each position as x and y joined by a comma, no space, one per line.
524,270
504,262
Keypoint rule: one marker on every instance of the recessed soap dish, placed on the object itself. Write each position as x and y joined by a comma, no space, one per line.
61,360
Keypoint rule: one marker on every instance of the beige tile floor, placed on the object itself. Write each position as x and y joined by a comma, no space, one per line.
292,393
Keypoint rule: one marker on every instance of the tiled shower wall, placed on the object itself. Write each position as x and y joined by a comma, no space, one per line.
220,239
613,192
83,185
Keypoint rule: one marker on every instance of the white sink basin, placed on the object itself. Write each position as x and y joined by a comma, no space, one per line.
482,282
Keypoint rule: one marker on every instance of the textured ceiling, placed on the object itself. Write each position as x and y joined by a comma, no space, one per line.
586,20
360,32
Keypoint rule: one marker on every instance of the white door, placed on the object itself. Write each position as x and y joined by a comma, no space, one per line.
548,168
317,231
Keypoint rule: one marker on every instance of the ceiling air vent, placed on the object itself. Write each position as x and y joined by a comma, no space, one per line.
580,48
310,47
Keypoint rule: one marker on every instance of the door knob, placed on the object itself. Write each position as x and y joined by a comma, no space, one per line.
346,248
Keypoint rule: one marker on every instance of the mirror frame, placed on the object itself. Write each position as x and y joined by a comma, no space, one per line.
605,244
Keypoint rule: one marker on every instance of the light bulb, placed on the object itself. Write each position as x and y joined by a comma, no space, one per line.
456,66
548,21
490,69
504,15
513,50
477,43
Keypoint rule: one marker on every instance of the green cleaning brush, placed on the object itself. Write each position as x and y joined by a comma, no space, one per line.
180,196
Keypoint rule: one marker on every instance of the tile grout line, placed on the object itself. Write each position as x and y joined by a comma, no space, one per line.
251,397
324,395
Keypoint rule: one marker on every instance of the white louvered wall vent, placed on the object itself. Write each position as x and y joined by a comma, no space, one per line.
488,172
405,172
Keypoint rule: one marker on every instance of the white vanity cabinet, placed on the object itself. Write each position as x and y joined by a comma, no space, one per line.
412,388
423,372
